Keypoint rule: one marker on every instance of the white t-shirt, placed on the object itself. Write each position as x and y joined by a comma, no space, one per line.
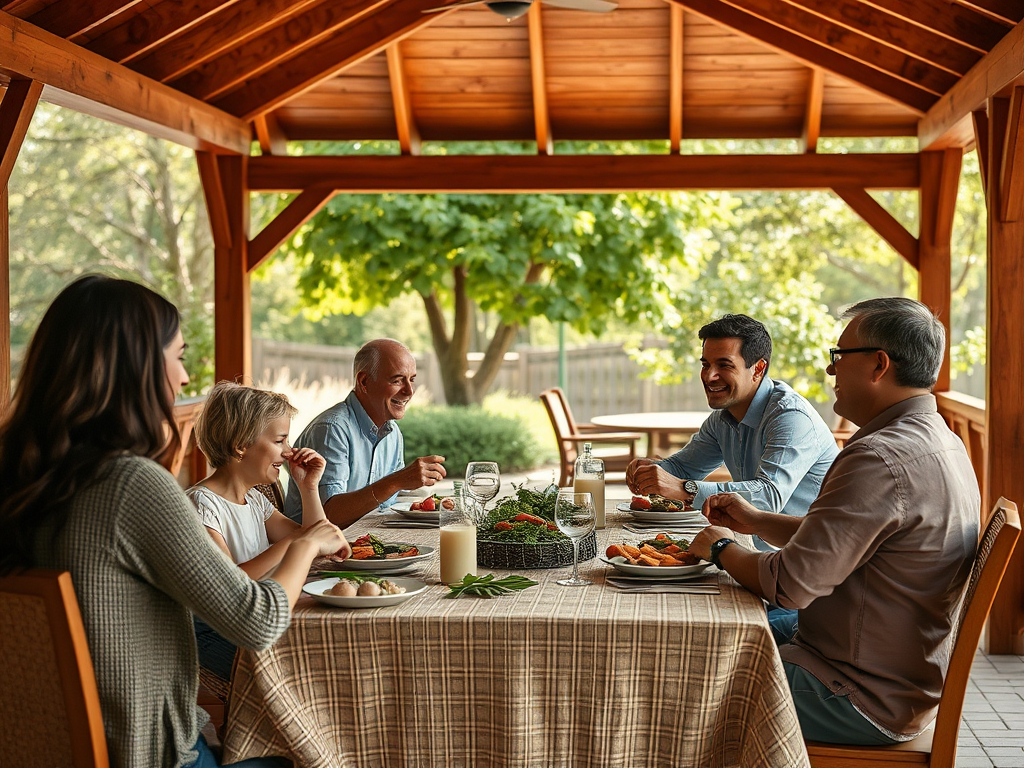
243,526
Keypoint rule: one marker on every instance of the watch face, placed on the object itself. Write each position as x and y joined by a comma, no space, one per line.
690,487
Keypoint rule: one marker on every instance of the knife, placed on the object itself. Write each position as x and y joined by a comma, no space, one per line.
692,589
409,524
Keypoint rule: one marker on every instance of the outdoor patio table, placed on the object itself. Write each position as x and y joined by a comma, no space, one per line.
550,676
659,426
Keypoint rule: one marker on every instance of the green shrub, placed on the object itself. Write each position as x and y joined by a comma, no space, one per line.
471,433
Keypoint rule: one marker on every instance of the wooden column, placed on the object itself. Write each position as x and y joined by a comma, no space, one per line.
1005,352
940,176
227,200
5,303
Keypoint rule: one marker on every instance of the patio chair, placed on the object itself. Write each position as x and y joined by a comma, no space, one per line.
49,706
936,748
570,437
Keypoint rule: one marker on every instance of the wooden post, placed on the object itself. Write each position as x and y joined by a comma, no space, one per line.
5,304
940,176
1004,369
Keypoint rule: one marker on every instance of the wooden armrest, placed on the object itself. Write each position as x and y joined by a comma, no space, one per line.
604,437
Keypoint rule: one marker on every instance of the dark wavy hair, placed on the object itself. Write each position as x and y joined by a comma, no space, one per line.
755,341
93,385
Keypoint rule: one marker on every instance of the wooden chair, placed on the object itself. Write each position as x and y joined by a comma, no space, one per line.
937,748
570,436
843,430
49,706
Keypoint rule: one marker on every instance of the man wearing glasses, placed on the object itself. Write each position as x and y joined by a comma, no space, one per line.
878,565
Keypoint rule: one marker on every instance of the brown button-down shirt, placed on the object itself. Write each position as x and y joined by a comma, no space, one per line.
878,566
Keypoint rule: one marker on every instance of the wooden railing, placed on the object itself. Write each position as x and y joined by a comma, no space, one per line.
188,464
967,417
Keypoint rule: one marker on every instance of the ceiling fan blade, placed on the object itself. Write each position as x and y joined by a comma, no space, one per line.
460,4
595,6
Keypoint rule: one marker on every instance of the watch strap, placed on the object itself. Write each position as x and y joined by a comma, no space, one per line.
717,549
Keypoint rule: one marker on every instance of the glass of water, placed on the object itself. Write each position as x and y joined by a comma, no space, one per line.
482,481
575,517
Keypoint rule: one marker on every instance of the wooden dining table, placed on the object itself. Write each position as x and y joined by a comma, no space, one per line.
549,676
660,426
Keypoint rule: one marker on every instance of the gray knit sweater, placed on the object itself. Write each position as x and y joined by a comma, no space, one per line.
140,561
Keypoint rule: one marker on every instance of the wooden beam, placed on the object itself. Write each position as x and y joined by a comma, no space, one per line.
408,133
539,82
216,205
265,53
270,136
883,222
16,110
69,18
358,41
1011,172
81,80
949,19
215,35
813,54
299,211
940,178
583,173
1004,374
979,117
1007,11
675,77
812,114
948,122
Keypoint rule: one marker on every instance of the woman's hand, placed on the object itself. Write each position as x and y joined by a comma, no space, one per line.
306,467
327,537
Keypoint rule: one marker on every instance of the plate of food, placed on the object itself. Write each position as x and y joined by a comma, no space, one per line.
356,590
372,554
658,509
424,509
657,558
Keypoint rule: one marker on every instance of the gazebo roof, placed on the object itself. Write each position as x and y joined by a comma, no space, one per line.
362,70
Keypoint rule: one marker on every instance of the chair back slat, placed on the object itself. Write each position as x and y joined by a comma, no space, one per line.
554,404
49,705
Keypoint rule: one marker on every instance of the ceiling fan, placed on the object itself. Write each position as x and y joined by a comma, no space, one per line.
513,9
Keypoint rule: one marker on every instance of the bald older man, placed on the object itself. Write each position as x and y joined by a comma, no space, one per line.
361,442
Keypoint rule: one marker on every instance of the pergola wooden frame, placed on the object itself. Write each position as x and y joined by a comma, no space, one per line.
219,75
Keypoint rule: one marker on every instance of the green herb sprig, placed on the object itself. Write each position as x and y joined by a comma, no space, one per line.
488,586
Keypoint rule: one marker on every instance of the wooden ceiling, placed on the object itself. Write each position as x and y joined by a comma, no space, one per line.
651,69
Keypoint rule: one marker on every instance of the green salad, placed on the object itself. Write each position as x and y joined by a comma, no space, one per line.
528,517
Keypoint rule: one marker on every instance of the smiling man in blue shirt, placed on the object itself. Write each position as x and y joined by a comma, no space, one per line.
774,444
360,440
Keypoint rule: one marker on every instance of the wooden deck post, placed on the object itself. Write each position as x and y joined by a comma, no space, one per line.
1005,356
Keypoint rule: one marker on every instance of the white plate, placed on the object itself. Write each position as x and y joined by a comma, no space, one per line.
404,508
654,571
316,589
650,516
394,564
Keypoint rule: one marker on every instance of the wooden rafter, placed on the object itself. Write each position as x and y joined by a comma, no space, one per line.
299,211
1008,11
539,82
812,114
583,173
949,19
812,53
883,222
359,40
162,21
675,77
16,110
215,35
113,92
270,136
69,18
272,50
1011,172
408,133
948,123
918,41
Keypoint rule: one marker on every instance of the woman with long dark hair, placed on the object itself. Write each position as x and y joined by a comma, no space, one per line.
83,492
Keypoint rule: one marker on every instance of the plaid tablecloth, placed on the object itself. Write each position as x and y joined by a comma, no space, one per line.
551,676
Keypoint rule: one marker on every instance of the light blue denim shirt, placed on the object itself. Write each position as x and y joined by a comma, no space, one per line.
778,455
356,452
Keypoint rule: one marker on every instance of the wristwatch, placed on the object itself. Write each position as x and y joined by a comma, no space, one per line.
716,550
690,486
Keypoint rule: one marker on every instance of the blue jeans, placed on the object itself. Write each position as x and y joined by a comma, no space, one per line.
827,716
207,759
215,652
783,623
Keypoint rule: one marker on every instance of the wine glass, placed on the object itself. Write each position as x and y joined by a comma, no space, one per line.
574,516
482,481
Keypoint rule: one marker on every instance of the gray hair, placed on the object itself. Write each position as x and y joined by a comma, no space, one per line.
368,357
910,334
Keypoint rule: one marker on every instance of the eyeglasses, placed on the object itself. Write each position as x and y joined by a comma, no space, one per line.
836,353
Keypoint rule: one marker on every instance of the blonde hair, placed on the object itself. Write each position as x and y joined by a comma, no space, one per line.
233,419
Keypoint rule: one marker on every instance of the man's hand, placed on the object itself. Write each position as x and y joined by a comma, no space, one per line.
733,511
424,471
645,477
306,467
701,544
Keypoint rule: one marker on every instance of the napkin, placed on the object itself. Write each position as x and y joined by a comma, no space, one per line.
400,523
662,528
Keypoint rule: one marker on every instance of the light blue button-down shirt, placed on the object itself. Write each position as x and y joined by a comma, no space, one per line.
777,455
356,452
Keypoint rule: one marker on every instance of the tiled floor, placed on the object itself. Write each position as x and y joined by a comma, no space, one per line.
992,731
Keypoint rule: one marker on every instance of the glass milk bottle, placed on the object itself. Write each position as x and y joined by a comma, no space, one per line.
458,539
588,477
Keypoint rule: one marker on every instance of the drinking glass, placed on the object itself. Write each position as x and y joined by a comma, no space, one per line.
482,481
574,516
